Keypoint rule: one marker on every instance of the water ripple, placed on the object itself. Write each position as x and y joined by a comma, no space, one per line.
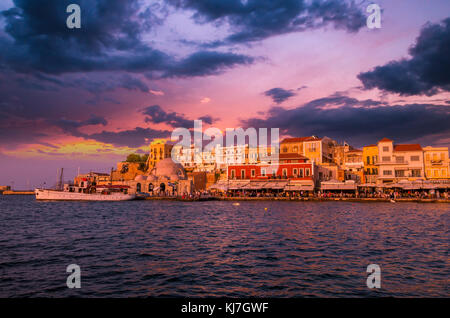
174,249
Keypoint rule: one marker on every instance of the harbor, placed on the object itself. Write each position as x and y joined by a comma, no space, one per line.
162,248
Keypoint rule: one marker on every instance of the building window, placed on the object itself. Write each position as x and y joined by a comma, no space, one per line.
368,160
307,172
415,158
243,174
386,159
386,149
233,174
400,159
253,173
300,173
399,173
274,173
295,149
415,173
285,172
387,172
263,172
295,172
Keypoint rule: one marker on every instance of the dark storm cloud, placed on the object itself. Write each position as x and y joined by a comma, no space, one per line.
357,121
71,126
279,95
426,72
254,20
206,63
132,138
155,114
110,39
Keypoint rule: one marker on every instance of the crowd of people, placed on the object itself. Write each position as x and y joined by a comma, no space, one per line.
386,194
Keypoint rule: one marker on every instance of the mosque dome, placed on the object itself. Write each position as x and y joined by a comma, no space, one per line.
140,178
169,169
152,177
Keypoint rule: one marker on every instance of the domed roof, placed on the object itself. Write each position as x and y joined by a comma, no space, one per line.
140,178
152,177
167,167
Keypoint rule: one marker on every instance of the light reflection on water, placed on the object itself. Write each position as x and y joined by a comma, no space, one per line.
199,249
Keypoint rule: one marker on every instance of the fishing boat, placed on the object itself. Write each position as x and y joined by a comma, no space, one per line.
85,191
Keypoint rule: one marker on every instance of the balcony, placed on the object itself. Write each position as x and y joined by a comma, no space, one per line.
437,162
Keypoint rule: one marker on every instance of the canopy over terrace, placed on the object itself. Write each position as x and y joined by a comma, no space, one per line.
300,186
266,185
348,185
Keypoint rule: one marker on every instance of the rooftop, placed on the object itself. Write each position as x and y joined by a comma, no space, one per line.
300,139
408,147
292,156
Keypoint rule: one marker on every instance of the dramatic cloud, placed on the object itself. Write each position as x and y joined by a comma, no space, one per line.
279,95
110,39
425,73
156,115
205,63
254,20
133,138
358,121
71,126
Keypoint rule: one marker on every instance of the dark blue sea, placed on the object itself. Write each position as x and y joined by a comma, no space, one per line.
213,249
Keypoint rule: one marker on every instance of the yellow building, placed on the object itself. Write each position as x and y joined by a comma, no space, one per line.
319,150
159,149
370,159
292,145
436,162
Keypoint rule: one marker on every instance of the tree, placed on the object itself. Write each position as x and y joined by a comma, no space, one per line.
133,158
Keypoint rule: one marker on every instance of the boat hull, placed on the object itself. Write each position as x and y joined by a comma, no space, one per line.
42,194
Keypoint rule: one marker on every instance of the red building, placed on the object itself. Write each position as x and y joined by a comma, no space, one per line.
290,166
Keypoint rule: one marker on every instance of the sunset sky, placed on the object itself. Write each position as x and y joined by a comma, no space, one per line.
138,69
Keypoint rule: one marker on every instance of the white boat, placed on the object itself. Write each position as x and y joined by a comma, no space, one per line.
85,191
44,194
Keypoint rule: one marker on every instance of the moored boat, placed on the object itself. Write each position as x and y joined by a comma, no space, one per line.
86,191
45,194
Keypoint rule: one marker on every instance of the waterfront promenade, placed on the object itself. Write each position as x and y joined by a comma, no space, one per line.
296,199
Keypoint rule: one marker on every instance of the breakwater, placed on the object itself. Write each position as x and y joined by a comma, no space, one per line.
9,192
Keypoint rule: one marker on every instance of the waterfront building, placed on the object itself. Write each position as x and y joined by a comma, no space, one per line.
370,159
318,150
354,165
293,173
126,171
330,171
95,178
436,163
290,166
167,177
399,162
4,188
160,149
